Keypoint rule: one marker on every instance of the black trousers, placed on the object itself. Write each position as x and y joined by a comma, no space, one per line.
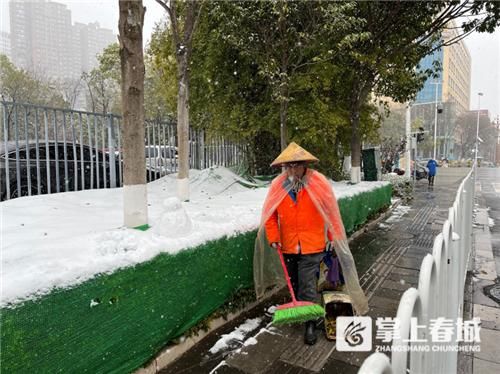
303,270
431,179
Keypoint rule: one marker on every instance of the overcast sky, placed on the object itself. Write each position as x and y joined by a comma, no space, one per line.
484,48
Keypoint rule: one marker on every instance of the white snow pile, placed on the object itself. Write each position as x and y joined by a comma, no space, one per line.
398,213
345,189
237,336
62,240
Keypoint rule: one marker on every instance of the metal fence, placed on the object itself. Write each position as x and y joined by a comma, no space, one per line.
47,150
440,294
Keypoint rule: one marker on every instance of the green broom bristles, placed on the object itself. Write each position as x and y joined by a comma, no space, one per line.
298,314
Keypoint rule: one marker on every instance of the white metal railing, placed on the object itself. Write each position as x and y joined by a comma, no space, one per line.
440,293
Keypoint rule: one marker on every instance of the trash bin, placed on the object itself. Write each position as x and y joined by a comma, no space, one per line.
371,163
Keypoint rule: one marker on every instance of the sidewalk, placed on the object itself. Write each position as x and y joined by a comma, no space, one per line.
389,257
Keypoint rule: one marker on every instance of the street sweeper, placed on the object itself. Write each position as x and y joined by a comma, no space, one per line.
300,217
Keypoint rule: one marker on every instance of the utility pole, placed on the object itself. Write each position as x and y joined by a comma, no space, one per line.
479,94
415,165
497,145
408,142
435,119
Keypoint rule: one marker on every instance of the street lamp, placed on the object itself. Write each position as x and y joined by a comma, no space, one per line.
479,94
408,140
435,119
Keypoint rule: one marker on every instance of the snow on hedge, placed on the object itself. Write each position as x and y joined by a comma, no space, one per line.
61,240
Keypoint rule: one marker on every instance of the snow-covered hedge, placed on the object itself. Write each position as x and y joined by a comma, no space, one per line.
401,185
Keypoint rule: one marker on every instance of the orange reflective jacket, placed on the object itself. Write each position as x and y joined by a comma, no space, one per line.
297,225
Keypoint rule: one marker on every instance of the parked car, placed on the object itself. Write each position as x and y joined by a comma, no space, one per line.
161,159
163,151
421,171
487,164
54,167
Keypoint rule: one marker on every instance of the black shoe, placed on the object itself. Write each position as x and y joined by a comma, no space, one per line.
310,336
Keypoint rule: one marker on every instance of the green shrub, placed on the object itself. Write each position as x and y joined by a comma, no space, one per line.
402,186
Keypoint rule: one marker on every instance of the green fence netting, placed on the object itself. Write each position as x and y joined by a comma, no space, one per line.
356,209
136,311
140,309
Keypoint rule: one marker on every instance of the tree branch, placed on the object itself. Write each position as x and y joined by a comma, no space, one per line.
173,20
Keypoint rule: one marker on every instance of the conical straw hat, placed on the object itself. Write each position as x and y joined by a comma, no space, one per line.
293,153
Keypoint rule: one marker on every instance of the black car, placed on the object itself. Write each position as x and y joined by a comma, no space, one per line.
54,167
422,172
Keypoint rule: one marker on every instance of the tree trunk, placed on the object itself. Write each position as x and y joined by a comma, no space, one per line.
283,115
283,80
355,145
132,68
183,128
359,96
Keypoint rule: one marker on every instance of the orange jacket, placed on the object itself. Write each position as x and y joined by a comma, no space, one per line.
295,223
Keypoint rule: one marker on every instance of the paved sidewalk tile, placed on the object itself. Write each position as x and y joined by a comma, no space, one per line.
478,296
256,358
485,367
489,345
337,366
490,317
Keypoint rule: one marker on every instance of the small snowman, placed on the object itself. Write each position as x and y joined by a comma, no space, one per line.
174,221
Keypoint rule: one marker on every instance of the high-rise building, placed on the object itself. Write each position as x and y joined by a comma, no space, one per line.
5,44
41,38
21,31
44,40
92,39
453,82
449,94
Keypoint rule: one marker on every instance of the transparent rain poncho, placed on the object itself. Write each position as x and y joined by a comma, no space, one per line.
267,267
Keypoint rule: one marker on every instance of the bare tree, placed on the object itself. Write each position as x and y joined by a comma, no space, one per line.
70,90
130,27
182,28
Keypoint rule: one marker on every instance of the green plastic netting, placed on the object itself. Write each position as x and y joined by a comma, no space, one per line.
138,310
357,209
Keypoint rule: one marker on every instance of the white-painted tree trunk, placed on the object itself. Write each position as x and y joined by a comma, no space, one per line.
134,203
355,174
183,189
346,165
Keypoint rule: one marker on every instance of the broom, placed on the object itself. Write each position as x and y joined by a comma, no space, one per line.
296,311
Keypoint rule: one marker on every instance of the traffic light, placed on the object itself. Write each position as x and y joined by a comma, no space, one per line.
420,135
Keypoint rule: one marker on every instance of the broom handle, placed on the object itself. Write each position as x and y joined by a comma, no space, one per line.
287,277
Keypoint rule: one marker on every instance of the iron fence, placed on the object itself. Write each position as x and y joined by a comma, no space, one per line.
440,294
49,150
